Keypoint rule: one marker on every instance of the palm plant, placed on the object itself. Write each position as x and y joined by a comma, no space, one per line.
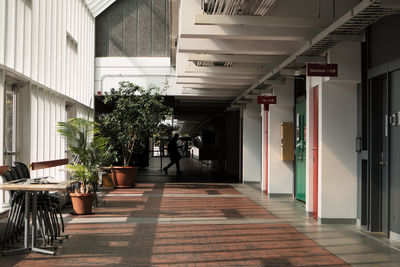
89,148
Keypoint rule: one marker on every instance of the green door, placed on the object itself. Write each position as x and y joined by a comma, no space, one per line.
301,151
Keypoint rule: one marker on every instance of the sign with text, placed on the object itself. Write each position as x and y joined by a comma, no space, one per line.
261,99
266,101
322,70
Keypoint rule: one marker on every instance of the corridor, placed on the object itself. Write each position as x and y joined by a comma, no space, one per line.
203,224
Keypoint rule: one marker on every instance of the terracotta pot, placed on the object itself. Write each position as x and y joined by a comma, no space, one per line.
82,203
124,176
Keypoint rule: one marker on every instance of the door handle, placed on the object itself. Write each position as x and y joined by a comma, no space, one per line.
314,148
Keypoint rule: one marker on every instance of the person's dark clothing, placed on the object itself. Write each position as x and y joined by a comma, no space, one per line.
174,156
173,152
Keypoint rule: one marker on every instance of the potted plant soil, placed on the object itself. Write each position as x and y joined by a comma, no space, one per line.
89,151
136,114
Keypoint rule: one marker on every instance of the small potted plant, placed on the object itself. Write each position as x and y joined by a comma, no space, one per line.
136,114
89,150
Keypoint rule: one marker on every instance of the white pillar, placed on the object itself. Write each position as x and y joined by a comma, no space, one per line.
252,143
280,172
337,159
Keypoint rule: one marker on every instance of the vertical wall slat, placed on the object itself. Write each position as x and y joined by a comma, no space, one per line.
10,34
42,41
40,128
47,129
59,32
35,40
63,46
52,132
48,42
2,29
19,35
34,126
28,37
53,45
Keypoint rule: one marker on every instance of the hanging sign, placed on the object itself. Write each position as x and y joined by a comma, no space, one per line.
322,70
261,99
266,101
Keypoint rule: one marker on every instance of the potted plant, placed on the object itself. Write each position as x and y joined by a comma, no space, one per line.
136,114
89,151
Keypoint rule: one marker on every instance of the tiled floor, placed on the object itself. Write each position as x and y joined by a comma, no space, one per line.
178,224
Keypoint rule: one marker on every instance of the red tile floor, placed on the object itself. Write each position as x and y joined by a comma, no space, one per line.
239,232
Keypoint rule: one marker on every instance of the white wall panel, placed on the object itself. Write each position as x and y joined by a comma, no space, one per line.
27,37
42,41
53,45
35,40
48,43
34,44
40,129
2,29
47,130
19,38
34,126
10,34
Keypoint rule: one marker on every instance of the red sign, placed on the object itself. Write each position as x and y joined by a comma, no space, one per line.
266,99
322,70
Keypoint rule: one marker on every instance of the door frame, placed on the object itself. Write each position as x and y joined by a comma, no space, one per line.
315,149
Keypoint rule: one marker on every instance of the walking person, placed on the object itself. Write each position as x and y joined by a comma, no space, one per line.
174,155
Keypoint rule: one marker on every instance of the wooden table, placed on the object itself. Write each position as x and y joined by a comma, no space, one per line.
28,188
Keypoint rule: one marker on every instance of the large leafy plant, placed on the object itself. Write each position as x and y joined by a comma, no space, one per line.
90,150
136,115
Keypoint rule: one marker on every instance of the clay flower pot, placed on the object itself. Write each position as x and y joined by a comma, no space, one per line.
124,176
82,203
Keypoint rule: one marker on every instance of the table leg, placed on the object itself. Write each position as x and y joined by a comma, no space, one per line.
26,228
34,221
34,228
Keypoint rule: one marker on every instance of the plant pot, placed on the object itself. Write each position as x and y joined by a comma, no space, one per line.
82,203
124,176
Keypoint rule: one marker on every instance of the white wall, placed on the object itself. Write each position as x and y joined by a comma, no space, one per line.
143,71
337,159
280,173
252,143
47,47
35,45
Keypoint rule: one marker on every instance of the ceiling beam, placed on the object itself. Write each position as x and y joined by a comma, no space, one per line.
307,59
226,70
237,47
263,21
250,33
215,86
223,92
235,58
266,90
204,81
230,76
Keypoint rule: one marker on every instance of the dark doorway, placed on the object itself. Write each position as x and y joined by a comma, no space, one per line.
378,182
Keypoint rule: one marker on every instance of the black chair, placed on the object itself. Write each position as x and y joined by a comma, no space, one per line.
48,210
22,169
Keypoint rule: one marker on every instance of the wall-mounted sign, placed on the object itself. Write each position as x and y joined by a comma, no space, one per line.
266,101
261,99
322,70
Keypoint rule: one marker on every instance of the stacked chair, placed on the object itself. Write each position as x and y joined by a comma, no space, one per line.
49,218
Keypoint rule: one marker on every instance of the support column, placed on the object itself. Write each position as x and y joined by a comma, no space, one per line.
337,130
252,143
280,172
